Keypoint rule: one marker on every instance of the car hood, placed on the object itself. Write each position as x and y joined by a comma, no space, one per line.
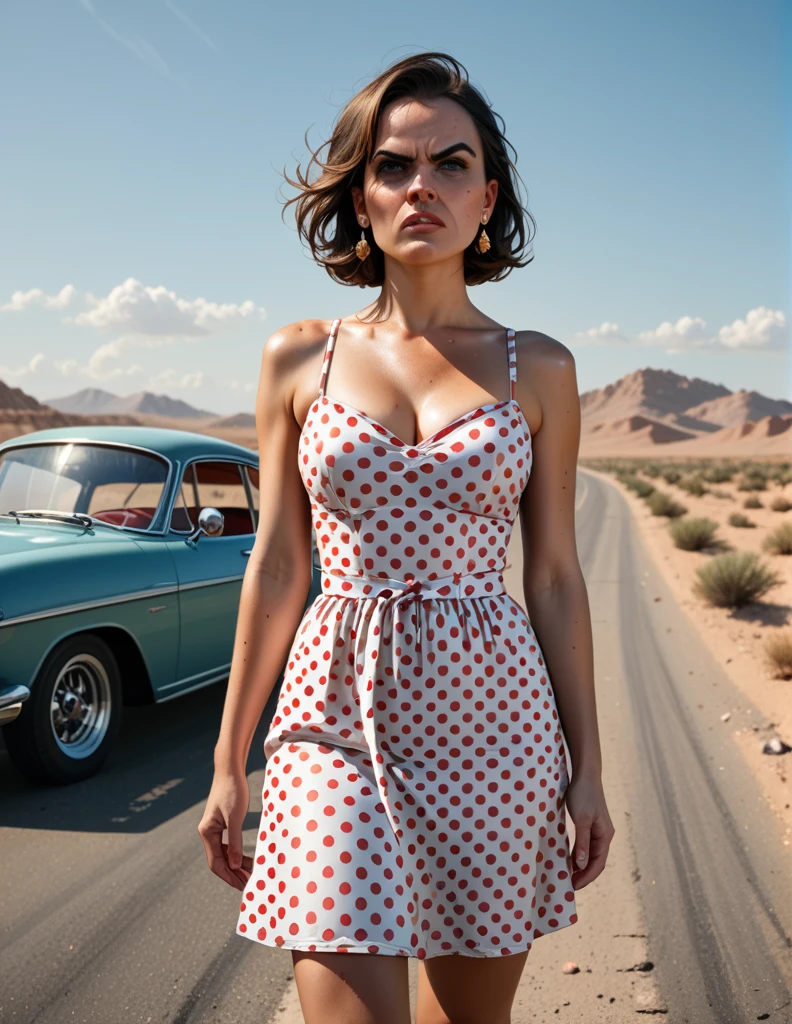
37,537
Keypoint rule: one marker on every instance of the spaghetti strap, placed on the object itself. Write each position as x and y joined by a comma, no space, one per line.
328,355
512,365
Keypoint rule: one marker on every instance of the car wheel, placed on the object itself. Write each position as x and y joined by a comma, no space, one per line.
69,723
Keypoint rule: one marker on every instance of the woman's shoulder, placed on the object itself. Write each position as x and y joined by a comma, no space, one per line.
290,347
536,345
300,334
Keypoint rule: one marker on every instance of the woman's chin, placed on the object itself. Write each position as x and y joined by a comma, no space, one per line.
421,253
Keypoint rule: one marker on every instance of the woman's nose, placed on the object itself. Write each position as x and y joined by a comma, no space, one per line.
419,192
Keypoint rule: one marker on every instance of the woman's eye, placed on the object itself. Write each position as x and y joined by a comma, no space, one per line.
453,163
390,163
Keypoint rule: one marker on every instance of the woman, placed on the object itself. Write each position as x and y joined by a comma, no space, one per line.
413,801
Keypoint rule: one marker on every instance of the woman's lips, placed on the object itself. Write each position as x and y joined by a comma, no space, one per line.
422,227
420,222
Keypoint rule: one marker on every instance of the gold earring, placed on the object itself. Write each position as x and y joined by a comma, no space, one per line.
483,244
362,249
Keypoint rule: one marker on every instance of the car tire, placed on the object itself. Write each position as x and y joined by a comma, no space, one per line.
71,719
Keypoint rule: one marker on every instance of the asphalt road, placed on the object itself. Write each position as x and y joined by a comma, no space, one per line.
108,912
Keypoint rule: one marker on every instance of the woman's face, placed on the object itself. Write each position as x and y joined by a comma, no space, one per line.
427,159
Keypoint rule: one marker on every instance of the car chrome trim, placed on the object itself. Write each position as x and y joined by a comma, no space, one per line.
14,695
216,677
84,606
138,595
211,583
166,486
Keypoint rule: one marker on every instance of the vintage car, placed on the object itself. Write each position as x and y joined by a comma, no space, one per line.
122,553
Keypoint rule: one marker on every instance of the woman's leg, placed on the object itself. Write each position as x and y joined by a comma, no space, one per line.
352,988
457,989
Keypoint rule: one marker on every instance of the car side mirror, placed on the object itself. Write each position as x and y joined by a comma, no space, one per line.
210,522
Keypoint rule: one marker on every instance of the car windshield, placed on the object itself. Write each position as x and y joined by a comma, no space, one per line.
117,485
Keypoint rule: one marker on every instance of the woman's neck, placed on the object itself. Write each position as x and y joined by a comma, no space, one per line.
418,299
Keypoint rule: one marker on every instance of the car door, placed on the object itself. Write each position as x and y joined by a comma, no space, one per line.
210,570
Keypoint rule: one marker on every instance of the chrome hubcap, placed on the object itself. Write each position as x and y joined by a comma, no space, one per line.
80,707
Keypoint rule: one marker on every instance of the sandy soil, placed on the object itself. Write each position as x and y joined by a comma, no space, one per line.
736,638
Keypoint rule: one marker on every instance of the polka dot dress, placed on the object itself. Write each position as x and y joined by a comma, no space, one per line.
413,799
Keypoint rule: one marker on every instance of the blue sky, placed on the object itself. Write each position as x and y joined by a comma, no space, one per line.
143,246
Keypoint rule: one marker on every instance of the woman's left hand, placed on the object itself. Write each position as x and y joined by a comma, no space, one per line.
585,801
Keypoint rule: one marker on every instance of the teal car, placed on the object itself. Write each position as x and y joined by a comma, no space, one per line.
122,553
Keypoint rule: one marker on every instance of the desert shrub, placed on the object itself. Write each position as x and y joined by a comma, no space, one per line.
779,542
634,483
692,484
662,504
752,502
752,481
670,475
692,534
738,519
643,488
718,474
780,504
734,579
778,650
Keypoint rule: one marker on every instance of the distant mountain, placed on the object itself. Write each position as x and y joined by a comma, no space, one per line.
688,404
740,407
639,428
97,402
21,413
241,419
656,394
88,402
15,398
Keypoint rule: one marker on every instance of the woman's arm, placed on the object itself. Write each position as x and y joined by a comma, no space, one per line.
555,591
556,598
278,575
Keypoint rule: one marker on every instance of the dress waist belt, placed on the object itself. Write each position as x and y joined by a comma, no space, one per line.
458,585
396,592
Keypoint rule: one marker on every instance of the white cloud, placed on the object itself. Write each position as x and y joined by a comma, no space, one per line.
762,329
103,362
21,301
27,369
66,367
174,379
139,309
606,334
149,317
687,333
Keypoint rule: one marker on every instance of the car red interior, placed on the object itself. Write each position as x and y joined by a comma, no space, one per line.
236,521
137,518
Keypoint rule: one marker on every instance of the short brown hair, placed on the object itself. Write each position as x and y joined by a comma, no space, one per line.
325,214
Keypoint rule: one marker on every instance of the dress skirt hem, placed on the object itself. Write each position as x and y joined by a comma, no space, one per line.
385,949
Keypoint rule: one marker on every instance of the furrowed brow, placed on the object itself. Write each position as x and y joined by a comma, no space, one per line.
435,156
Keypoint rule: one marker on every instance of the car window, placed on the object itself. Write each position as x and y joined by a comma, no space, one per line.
121,486
217,485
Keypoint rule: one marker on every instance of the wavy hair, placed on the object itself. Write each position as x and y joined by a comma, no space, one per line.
324,211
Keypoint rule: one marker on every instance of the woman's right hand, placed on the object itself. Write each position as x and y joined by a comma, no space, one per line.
228,803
